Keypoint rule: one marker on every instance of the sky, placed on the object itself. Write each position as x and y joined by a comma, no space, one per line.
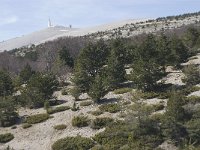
20,17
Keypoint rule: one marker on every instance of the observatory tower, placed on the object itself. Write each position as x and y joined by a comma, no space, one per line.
49,23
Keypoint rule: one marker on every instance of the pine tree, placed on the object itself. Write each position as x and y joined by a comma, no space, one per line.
26,73
97,90
66,57
116,62
146,74
6,85
8,113
163,48
192,75
89,64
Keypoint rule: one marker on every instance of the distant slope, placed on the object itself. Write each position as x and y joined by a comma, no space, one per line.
56,32
35,38
125,28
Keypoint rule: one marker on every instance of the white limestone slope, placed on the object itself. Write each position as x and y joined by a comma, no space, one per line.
53,33
33,38
125,28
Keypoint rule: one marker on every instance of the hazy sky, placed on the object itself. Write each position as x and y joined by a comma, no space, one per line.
19,17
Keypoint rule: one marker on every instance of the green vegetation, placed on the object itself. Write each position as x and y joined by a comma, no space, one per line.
75,92
149,95
4,138
40,88
57,109
8,114
97,77
192,75
6,85
31,55
86,103
96,113
193,99
65,56
80,121
189,89
158,107
64,92
111,108
26,125
122,90
26,74
60,127
142,135
37,118
74,107
99,69
73,143
99,123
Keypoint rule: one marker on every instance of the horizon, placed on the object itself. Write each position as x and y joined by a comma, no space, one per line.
15,20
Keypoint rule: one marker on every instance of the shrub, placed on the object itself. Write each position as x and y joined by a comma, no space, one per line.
80,121
96,113
112,138
75,92
74,107
193,99
64,92
112,108
126,103
158,107
4,138
192,75
46,105
122,90
86,103
149,95
26,125
37,118
99,123
73,143
189,90
60,127
58,109
98,147
157,117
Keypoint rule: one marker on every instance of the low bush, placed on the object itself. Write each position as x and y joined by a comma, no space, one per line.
149,95
57,109
60,127
37,118
99,123
96,113
73,143
64,92
126,103
148,109
113,137
75,107
157,117
193,99
80,121
122,90
158,107
112,108
86,103
186,91
97,147
26,125
4,138
164,95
